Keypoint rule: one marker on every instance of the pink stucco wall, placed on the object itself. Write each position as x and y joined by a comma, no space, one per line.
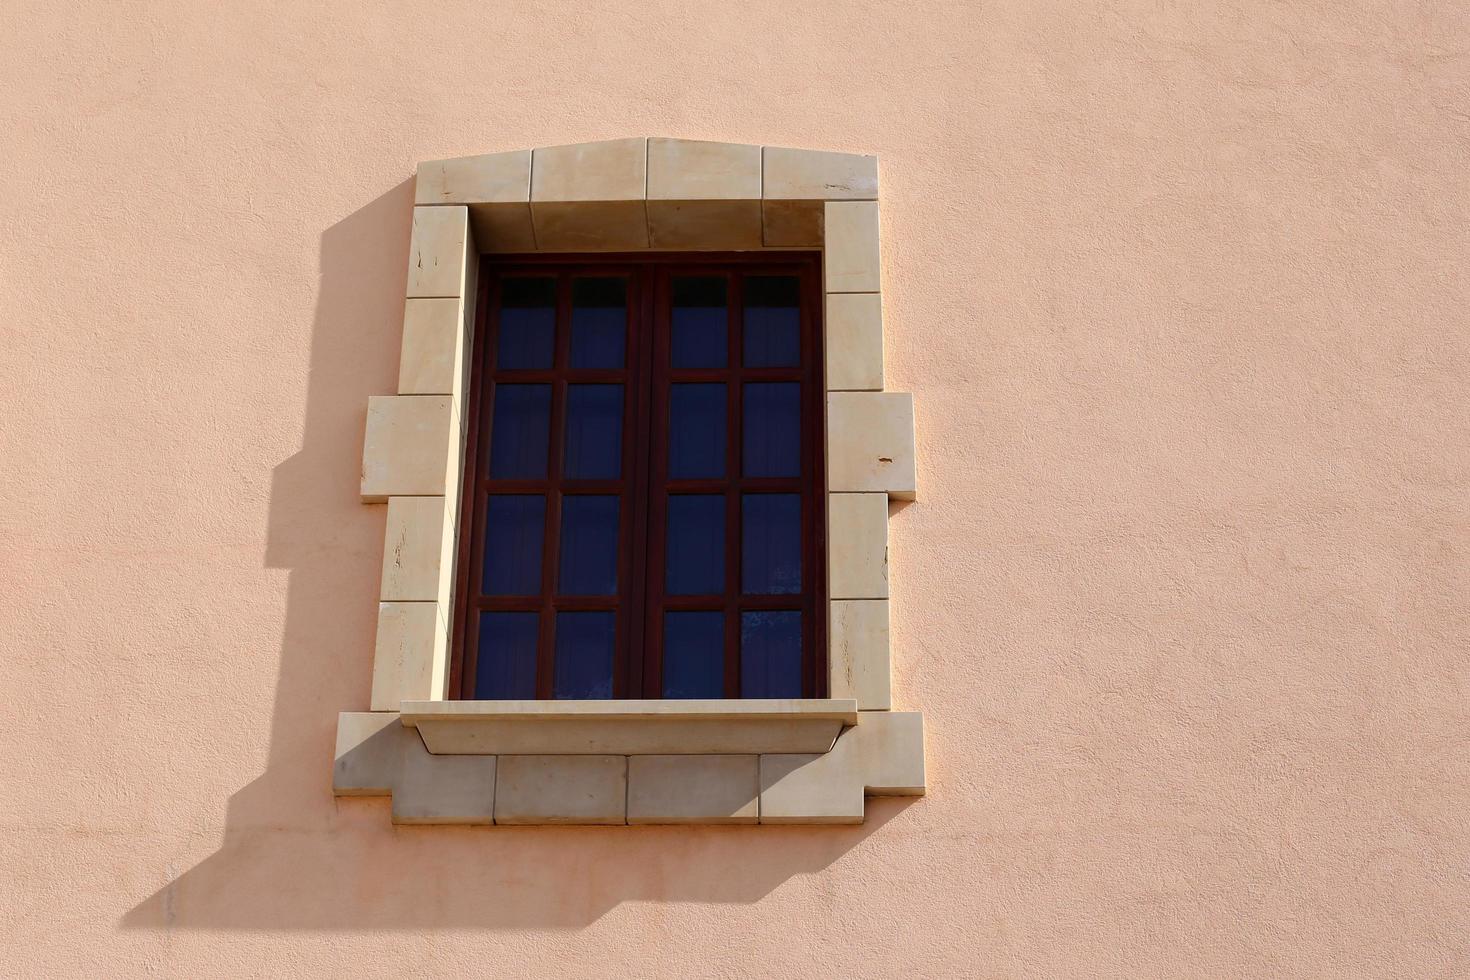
1182,291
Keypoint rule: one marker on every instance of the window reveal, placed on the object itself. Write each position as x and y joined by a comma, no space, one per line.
644,482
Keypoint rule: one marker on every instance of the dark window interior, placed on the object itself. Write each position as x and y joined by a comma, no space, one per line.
644,486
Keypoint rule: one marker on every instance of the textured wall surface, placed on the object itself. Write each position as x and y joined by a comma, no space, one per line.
1181,292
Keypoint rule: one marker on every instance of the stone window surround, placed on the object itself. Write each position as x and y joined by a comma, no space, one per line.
751,761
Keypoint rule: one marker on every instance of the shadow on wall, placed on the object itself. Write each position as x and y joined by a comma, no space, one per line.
293,856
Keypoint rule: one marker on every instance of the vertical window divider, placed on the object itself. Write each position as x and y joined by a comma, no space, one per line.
638,630
734,449
551,556
655,471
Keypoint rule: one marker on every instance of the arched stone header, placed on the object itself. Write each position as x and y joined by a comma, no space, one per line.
659,193
800,761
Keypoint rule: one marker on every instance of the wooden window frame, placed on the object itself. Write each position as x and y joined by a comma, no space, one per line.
644,484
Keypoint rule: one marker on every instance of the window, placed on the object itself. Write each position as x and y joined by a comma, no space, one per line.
616,761
643,495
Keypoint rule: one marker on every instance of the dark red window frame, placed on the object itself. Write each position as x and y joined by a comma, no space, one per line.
644,484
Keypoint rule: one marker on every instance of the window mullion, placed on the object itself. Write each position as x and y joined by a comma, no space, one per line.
637,673
545,650
734,441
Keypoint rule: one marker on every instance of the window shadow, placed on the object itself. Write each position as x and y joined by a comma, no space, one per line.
294,857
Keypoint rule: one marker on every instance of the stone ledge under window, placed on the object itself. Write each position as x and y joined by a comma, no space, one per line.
637,727
378,755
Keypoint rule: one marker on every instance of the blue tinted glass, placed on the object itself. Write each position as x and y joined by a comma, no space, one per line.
594,448
584,654
772,322
527,324
599,322
770,655
695,559
700,323
589,545
514,525
518,431
771,426
694,655
506,664
770,542
696,430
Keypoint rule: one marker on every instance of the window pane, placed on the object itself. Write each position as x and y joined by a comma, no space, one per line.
527,324
589,545
519,428
594,447
770,655
695,558
700,322
584,654
506,668
694,655
771,427
772,321
770,542
696,431
514,529
599,322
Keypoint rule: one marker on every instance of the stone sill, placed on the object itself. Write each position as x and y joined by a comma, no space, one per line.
643,727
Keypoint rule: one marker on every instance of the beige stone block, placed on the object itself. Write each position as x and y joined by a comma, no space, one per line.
590,196
574,736
411,654
857,546
889,748
496,187
870,442
792,224
595,226
433,350
444,789
417,551
850,255
490,178
860,652
696,170
437,251
797,183
503,228
466,342
611,170
823,788
704,224
631,727
677,789
818,175
411,448
854,342
882,756
561,789
369,749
